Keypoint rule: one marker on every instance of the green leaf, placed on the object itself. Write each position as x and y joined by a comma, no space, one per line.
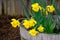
52,27
59,20
40,2
33,1
49,19
44,3
57,10
53,2
36,15
25,12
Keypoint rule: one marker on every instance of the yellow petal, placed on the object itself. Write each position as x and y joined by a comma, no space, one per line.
15,23
26,25
35,7
33,32
50,8
13,19
41,28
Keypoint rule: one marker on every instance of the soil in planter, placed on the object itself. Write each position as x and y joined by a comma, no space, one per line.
7,32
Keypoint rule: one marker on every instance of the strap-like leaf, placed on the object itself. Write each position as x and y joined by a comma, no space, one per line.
52,27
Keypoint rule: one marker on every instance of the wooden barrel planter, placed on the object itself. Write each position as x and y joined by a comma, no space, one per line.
41,36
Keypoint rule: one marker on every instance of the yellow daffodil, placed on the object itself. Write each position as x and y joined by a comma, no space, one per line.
29,23
35,7
26,24
32,22
50,8
15,23
33,32
41,28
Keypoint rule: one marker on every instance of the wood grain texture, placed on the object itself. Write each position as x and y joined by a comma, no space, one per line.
18,9
8,7
12,7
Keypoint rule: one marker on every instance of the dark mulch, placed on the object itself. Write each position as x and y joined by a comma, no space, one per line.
7,32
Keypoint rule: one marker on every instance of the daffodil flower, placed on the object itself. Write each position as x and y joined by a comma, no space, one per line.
50,8
32,22
15,23
29,23
26,24
33,32
35,7
41,28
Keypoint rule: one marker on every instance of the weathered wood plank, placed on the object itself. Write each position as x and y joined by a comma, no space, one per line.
4,2
11,8
0,7
5,7
58,3
18,8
